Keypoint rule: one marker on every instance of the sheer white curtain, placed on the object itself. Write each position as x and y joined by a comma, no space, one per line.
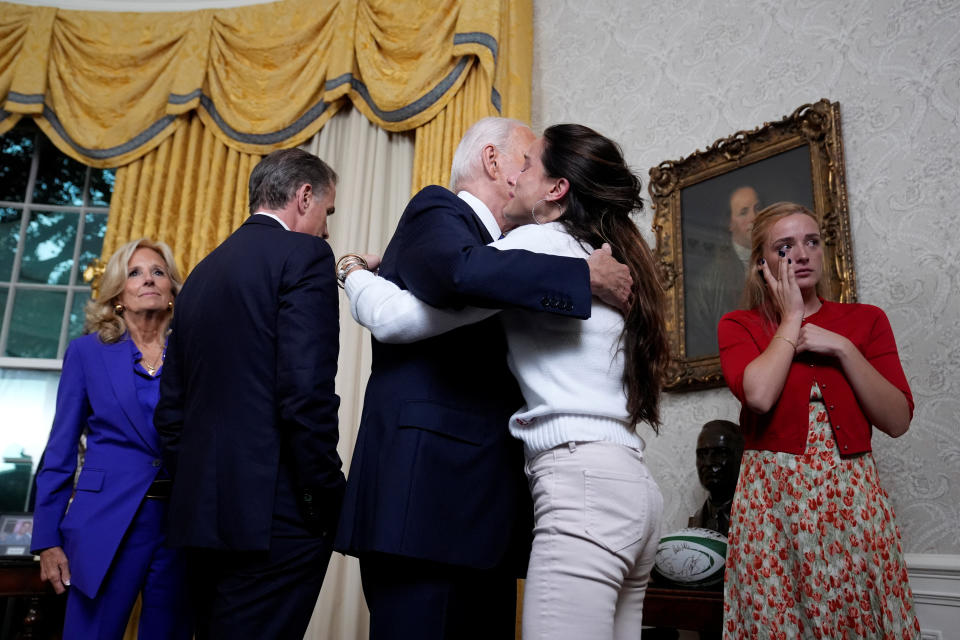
375,170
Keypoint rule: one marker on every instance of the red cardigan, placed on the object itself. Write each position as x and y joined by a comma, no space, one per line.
743,337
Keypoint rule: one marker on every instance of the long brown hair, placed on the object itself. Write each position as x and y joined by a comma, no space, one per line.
755,295
603,193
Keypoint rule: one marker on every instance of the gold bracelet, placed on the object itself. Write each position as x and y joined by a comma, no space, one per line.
788,341
345,265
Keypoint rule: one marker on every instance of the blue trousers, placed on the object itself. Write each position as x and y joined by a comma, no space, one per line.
143,566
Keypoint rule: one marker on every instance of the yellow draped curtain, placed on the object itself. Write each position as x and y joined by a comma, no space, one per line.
190,192
185,103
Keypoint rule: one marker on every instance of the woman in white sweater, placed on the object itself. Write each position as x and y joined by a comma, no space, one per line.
586,384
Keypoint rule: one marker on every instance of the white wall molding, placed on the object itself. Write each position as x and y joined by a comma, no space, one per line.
935,581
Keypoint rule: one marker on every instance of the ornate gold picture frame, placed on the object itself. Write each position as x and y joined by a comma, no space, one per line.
703,207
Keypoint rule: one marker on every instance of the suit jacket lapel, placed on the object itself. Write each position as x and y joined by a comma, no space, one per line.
481,228
119,371
477,222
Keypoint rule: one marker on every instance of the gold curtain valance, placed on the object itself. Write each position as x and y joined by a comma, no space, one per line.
109,87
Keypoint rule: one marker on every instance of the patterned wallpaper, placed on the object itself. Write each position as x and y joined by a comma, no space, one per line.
667,78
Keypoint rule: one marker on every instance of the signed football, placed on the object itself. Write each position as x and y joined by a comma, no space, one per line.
692,557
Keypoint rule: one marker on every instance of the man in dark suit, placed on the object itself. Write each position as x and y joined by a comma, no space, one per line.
716,288
248,413
437,506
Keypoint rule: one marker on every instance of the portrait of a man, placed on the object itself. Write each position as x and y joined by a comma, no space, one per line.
718,216
15,534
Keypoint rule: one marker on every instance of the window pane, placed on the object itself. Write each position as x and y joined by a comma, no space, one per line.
16,147
9,235
27,404
77,317
35,325
3,304
48,250
101,186
94,228
59,178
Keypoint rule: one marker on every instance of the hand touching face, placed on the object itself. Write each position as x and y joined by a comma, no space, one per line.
796,239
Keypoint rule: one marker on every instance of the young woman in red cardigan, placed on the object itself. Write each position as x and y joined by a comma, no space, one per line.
814,551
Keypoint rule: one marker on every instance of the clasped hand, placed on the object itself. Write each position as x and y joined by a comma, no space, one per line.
788,301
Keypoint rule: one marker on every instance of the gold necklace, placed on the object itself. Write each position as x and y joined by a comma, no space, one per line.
152,368
805,315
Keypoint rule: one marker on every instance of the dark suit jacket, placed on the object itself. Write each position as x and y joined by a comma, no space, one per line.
435,473
710,293
97,393
247,398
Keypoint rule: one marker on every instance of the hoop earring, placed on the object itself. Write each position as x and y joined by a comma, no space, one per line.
533,210
119,309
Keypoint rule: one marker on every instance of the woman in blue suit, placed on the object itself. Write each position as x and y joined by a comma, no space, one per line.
101,532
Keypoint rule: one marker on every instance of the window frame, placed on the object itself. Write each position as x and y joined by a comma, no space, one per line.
28,208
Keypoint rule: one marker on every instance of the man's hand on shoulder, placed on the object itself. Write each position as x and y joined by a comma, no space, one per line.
610,280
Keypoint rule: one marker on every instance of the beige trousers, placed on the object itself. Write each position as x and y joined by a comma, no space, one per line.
596,528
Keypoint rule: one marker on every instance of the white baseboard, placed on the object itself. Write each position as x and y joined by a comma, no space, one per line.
935,580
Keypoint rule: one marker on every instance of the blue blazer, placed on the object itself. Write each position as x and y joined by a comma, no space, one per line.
123,456
435,473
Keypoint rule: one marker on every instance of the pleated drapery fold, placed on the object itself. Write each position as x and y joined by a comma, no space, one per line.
185,103
189,192
107,87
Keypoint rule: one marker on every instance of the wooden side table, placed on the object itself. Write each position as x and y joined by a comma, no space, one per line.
32,611
688,609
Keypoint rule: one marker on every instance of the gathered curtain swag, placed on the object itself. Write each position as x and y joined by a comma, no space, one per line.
157,93
106,87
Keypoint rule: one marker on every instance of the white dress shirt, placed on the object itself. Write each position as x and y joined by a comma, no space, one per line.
483,212
270,215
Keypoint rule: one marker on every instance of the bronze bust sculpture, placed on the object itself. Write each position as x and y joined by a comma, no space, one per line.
719,449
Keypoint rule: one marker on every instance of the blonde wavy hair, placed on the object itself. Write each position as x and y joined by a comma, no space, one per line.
101,317
755,291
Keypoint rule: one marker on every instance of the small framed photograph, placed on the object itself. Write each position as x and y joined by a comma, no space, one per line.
16,534
704,210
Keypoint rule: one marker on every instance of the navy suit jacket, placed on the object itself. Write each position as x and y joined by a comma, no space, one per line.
435,473
711,292
247,410
97,393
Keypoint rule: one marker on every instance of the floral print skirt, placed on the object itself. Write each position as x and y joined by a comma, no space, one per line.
813,549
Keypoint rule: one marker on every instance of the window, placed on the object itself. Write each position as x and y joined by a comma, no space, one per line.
53,214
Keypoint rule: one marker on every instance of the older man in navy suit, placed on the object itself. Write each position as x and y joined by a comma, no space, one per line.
437,506
248,413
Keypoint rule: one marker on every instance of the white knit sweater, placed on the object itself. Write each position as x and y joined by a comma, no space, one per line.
570,370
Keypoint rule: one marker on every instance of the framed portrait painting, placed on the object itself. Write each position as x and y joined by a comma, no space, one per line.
16,533
705,205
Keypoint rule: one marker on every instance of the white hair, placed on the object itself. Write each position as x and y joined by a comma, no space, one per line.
467,161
